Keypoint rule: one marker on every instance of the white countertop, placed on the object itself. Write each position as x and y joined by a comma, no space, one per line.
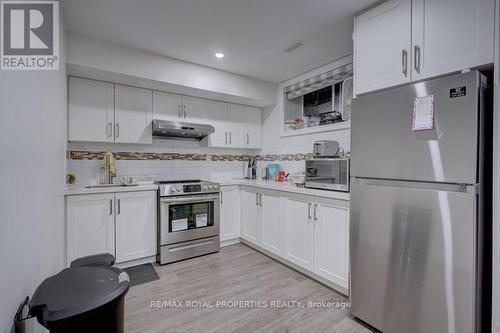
285,186
266,184
81,189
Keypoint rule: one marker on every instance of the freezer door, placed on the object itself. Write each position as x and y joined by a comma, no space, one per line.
412,257
384,145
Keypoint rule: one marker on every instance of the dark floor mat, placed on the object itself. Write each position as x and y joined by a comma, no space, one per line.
141,274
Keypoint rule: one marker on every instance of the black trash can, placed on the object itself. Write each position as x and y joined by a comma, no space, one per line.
87,298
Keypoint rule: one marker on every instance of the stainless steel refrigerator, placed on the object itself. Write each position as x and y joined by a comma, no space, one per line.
420,202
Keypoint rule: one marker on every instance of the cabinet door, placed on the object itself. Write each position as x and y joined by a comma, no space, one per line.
236,125
331,241
250,216
382,37
271,222
91,110
135,225
229,213
195,109
299,232
167,106
451,35
89,225
253,126
133,115
217,117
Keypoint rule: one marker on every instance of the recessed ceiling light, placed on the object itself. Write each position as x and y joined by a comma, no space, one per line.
219,55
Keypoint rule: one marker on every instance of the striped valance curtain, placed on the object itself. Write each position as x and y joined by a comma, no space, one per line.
319,81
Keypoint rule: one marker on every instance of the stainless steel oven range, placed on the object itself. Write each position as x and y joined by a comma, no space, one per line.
188,219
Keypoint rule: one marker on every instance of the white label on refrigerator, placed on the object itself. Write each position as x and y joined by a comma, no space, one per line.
201,220
423,113
180,224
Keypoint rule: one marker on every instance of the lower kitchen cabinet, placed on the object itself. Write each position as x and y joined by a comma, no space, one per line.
123,224
135,225
299,231
229,213
250,215
271,210
331,240
90,225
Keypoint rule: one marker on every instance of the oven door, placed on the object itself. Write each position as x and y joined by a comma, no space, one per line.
187,218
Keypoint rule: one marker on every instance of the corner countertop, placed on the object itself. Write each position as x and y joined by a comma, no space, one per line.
285,186
82,189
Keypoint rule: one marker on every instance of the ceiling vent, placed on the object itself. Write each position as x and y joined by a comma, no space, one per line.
294,46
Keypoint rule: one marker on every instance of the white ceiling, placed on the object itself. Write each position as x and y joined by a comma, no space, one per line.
251,33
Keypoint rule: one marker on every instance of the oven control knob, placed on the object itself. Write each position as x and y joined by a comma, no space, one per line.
204,187
212,187
172,189
178,188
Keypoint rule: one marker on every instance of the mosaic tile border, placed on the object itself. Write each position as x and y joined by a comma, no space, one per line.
142,156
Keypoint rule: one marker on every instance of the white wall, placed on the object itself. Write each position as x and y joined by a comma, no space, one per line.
106,61
272,133
32,166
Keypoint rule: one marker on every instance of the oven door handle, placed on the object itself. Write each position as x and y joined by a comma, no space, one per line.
190,199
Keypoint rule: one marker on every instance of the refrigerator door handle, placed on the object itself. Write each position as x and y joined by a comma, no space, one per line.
447,187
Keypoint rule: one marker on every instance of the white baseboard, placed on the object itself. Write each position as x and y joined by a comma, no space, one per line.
137,262
228,242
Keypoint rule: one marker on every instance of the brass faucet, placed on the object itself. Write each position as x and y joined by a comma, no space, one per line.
108,164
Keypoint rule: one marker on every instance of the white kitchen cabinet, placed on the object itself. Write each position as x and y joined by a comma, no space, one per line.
135,225
236,125
403,41
167,106
91,110
133,115
299,231
382,42
250,216
194,110
253,127
451,35
229,213
271,226
90,225
331,240
217,117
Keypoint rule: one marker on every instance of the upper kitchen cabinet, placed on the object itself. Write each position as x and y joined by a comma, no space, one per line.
133,115
91,110
451,35
217,117
401,41
167,106
194,109
382,42
253,127
236,125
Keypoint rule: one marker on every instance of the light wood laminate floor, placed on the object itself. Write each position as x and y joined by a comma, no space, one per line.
240,273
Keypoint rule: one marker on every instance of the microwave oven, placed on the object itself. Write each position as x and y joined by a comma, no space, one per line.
328,174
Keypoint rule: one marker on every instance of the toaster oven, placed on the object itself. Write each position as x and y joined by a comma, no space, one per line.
328,174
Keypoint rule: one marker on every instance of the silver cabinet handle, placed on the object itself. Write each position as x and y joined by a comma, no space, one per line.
256,199
230,138
315,212
110,206
109,129
248,139
117,130
185,112
404,61
119,207
309,210
179,109
417,59
260,199
225,142
221,197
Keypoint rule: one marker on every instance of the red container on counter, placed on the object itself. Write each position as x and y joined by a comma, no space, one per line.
281,175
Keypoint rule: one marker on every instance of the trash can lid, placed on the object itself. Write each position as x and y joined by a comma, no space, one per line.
75,291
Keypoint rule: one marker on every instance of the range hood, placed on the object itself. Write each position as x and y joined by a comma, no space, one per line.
180,130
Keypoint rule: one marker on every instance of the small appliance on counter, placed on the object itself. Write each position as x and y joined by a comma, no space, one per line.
250,170
326,148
